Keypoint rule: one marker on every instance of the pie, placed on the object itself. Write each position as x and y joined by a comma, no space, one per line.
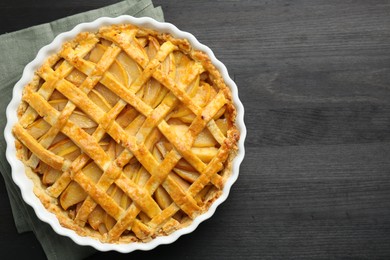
127,133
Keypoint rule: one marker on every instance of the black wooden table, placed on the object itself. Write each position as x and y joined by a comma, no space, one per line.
314,77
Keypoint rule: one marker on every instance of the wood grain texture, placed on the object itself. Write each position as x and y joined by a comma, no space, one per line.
314,79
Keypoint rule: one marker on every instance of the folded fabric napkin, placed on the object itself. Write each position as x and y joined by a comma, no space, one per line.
22,47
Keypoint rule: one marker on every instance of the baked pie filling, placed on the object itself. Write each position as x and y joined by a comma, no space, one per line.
127,134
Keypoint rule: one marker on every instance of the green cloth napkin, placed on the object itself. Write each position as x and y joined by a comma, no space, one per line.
17,49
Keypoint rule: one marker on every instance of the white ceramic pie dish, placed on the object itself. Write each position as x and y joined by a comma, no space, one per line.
26,185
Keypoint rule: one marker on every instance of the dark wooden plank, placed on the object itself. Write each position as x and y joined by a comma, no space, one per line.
314,79
319,200
305,114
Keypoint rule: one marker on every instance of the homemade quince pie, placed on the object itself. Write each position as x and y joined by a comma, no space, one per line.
127,133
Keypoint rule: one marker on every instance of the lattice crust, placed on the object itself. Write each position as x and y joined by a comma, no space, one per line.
127,133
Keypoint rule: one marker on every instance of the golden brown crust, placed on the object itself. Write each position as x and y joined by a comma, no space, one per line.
127,134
